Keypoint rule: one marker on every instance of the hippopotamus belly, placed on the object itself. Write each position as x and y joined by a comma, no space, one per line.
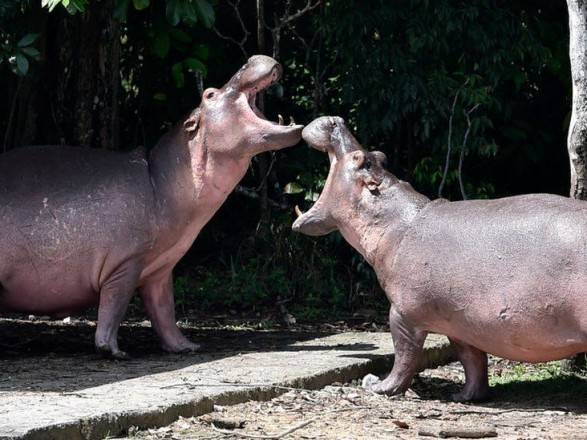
58,301
506,281
41,283
57,249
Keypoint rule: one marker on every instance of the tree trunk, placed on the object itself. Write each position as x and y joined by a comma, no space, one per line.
98,77
577,138
72,95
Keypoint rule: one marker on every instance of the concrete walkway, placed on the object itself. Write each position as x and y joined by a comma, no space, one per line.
83,397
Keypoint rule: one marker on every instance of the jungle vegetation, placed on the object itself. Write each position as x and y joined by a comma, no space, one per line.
468,99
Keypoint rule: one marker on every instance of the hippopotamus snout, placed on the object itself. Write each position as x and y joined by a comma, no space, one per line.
329,134
259,73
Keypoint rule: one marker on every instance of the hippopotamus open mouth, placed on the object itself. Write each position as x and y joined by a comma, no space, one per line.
233,115
329,134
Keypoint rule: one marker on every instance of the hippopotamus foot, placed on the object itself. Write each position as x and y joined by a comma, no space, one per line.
390,386
471,396
157,297
108,353
408,342
475,364
180,345
115,295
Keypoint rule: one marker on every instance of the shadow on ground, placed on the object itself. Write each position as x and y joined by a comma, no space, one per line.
563,393
50,356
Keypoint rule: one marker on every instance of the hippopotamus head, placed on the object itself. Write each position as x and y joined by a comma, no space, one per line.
355,179
229,121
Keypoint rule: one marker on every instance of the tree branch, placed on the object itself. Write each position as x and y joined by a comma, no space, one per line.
449,141
464,147
240,43
288,18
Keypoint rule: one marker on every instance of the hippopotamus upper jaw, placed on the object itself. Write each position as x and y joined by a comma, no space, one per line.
329,134
259,73
229,120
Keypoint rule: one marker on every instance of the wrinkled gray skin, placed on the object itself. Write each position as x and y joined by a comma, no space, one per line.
82,227
505,276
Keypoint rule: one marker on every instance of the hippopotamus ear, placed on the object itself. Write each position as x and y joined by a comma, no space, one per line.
365,161
191,123
381,158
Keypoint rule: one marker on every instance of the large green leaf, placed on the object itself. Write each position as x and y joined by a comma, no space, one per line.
160,44
179,35
50,4
31,52
121,10
202,51
22,64
195,65
177,75
76,6
140,4
205,12
172,12
189,12
27,40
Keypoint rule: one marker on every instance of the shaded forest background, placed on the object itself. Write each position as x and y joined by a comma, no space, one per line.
469,99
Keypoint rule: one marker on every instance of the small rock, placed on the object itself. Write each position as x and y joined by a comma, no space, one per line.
67,320
223,422
433,414
289,319
369,380
32,318
410,393
400,424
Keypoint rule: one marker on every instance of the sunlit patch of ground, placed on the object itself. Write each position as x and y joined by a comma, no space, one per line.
528,402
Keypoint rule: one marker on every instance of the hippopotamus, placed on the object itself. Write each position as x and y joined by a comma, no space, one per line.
82,227
506,276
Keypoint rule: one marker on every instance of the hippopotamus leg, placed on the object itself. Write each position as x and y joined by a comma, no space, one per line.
157,295
408,342
115,295
475,364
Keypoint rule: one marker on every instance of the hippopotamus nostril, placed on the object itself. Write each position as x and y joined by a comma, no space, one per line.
276,73
336,121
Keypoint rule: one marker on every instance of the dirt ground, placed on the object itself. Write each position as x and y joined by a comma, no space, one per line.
528,402
70,362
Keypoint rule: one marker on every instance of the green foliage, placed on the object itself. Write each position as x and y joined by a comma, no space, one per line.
19,53
402,69
72,6
269,268
398,72
189,11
